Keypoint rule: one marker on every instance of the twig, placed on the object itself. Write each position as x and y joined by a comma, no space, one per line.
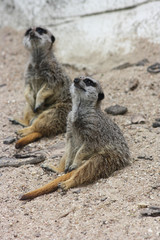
12,162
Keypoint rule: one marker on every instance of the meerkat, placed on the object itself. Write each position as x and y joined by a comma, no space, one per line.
47,94
95,146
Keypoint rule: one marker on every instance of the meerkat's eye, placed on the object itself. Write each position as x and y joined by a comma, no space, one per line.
28,31
41,30
89,82
100,96
52,39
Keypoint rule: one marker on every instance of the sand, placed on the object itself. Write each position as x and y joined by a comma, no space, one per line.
108,209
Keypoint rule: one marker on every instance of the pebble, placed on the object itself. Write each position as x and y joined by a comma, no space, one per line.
145,157
9,140
157,119
151,212
143,62
138,118
156,124
76,191
142,205
156,186
133,84
116,110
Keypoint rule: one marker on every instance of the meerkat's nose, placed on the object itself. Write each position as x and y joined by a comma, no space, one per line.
32,33
76,80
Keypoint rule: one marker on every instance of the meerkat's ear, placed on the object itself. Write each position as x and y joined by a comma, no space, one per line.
100,96
53,39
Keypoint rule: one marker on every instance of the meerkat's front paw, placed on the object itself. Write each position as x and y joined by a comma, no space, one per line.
66,168
24,132
72,167
20,133
38,107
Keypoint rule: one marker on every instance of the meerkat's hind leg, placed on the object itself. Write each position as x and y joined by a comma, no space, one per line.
28,139
48,188
21,122
28,116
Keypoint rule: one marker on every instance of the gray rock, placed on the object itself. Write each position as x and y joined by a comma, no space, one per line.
143,62
145,157
157,119
138,118
156,124
9,140
133,84
116,110
151,212
13,162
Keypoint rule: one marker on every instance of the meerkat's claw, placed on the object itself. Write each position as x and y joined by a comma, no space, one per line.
17,132
66,170
20,133
13,121
16,122
72,167
63,186
37,108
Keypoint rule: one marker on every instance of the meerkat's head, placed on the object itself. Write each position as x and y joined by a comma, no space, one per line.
88,90
38,38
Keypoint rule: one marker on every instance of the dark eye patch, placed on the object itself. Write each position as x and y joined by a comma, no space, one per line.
28,31
52,39
89,82
41,30
100,96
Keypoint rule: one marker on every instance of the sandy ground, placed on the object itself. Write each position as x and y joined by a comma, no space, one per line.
109,208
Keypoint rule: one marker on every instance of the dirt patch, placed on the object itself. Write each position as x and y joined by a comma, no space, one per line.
109,208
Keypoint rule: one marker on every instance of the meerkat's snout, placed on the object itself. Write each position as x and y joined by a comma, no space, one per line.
77,83
38,37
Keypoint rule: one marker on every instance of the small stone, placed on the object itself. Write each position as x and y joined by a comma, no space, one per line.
145,157
151,212
156,186
116,110
156,124
133,84
142,62
138,118
123,66
103,199
3,85
76,191
157,119
37,235
142,205
9,140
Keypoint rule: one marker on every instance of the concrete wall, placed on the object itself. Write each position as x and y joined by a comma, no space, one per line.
87,30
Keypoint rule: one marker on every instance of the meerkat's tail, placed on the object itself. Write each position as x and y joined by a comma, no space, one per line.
48,188
28,139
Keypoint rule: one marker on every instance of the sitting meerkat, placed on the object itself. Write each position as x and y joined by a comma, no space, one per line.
47,94
95,146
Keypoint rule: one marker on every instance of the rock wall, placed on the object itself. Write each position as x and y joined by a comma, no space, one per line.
87,31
